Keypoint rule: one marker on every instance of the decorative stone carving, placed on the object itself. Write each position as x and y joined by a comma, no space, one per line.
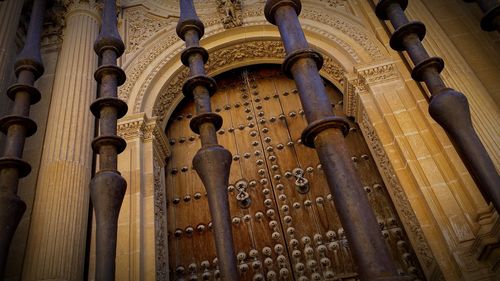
378,73
230,11
71,5
144,60
353,87
356,84
227,56
333,69
335,3
146,130
485,246
53,26
160,209
399,198
149,131
141,26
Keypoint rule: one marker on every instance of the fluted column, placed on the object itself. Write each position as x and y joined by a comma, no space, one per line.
56,244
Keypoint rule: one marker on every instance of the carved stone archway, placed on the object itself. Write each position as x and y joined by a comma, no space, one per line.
375,93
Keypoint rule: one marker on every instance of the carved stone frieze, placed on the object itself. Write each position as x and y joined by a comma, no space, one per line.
160,209
230,11
140,26
400,199
485,246
360,36
227,56
335,3
146,130
255,17
353,87
356,84
333,69
378,73
218,59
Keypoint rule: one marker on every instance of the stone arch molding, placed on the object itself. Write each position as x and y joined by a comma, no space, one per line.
155,75
354,60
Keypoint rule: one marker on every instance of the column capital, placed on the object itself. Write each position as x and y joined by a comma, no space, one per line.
90,7
139,126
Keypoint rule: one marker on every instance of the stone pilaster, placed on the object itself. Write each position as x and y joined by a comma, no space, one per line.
58,232
459,75
142,248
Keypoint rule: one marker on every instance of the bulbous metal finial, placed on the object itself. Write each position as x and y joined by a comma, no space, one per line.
189,20
30,57
109,38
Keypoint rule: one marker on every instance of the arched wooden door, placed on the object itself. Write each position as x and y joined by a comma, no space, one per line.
284,221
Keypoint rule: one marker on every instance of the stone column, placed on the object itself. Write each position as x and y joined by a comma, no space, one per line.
58,232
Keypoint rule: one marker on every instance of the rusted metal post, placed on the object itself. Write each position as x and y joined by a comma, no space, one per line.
212,162
448,107
17,127
491,10
326,132
108,187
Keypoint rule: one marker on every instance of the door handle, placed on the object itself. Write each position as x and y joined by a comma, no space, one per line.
301,183
242,196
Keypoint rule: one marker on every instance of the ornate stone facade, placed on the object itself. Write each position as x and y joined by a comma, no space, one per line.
451,228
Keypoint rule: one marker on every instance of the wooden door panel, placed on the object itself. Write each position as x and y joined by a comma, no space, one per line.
285,232
309,255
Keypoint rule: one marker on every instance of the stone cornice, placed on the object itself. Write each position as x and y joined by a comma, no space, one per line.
378,72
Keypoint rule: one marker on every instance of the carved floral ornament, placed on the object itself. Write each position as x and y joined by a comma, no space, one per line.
230,11
167,48
166,51
147,130
224,57
91,6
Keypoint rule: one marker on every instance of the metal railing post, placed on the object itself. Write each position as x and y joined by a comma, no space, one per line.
212,162
107,188
326,133
491,10
448,107
17,127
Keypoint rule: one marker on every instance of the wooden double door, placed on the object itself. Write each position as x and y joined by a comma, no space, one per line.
284,221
